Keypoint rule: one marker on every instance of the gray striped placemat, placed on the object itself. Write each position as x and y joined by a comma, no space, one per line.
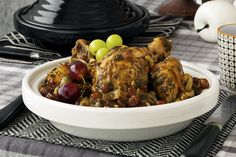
31,126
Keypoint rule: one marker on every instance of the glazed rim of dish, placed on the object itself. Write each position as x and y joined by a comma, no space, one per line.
30,89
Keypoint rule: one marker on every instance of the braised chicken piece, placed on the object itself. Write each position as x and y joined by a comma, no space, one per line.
57,74
120,73
54,79
81,51
159,49
167,79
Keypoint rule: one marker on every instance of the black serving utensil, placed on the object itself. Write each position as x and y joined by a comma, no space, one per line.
215,123
10,111
20,54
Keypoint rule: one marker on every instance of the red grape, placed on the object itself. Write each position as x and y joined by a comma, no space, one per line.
78,70
69,92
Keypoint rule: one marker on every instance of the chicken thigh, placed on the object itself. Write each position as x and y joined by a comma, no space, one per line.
120,73
167,79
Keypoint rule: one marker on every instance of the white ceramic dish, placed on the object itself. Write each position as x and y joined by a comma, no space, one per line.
118,124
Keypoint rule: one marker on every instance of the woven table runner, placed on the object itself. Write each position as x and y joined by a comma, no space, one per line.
31,126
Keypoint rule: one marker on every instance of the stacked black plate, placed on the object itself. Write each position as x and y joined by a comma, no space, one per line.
61,22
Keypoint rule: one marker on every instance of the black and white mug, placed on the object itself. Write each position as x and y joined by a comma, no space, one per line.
226,39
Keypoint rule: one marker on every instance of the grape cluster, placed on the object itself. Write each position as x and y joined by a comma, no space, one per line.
71,91
100,48
71,84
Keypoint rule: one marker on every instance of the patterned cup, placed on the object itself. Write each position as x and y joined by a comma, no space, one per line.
227,56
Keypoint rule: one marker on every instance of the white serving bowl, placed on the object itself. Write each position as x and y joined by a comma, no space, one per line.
118,124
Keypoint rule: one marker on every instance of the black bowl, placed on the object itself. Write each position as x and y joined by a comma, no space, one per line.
62,22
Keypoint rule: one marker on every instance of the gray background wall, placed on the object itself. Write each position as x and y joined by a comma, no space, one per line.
7,9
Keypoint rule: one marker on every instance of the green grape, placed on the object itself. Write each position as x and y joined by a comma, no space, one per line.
96,45
113,41
101,53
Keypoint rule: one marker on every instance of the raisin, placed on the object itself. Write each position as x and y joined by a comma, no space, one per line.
96,95
132,90
107,87
204,83
133,101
